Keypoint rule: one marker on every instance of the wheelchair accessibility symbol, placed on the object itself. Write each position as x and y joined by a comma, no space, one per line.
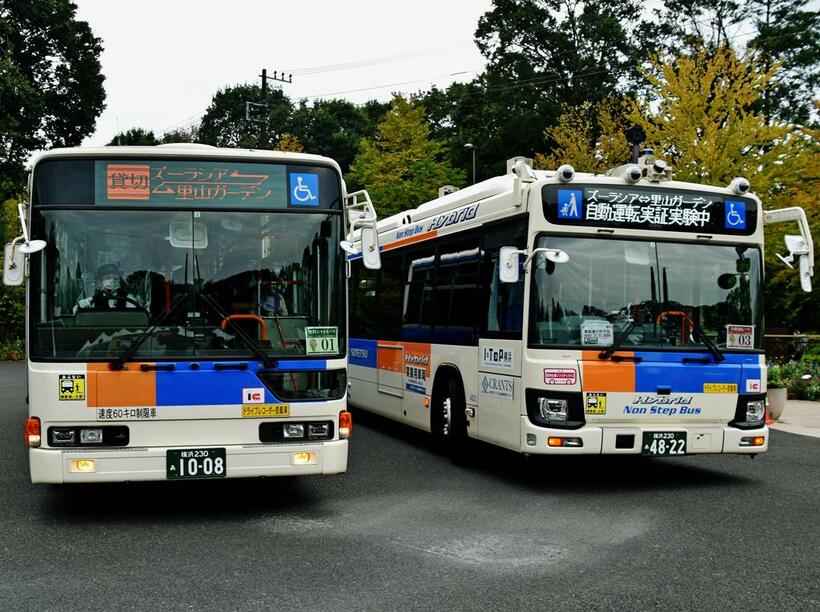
735,212
304,189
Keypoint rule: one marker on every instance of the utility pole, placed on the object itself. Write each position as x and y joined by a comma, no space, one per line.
263,124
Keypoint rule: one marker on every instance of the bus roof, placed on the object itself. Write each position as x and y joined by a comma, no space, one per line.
187,149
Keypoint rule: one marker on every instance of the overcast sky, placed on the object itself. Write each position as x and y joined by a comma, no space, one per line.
164,60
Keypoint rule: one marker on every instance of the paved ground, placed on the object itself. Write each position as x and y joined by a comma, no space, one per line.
800,418
405,529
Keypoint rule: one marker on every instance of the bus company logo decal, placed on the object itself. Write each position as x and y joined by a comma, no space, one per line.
407,232
661,405
253,395
498,386
492,357
451,218
560,376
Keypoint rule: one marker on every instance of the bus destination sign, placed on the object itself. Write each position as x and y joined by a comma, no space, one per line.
647,208
171,182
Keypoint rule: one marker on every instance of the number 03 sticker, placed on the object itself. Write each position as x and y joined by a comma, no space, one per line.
740,336
321,340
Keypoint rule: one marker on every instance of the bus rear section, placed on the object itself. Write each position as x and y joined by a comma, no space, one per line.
186,315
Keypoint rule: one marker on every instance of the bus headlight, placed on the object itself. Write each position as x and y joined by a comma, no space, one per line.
553,410
755,411
293,430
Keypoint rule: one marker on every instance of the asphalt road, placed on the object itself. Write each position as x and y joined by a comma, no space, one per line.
406,529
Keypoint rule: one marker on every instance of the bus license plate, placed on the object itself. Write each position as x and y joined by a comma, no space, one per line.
664,443
195,463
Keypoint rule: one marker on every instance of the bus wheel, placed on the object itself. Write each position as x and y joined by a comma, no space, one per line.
448,421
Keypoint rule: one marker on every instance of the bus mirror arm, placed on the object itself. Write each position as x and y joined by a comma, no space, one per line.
360,214
800,246
14,261
508,270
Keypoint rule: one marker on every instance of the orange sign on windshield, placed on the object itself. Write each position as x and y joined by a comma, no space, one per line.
128,182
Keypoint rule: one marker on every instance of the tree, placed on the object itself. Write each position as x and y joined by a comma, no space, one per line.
225,125
289,142
402,166
134,137
182,134
702,120
589,137
335,127
788,36
51,88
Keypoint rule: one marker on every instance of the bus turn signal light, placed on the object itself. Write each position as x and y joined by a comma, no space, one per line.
345,424
33,432
558,441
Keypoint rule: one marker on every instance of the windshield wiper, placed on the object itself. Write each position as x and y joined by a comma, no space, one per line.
617,342
708,343
119,362
246,339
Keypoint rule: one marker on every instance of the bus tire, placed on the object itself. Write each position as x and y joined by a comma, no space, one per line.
447,420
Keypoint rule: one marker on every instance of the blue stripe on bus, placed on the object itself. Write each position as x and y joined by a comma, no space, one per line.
666,369
363,353
209,386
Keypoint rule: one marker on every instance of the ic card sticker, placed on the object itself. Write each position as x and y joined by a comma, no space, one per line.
72,387
595,403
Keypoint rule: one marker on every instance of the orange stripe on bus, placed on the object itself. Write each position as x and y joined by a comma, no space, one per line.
390,358
604,375
410,240
123,388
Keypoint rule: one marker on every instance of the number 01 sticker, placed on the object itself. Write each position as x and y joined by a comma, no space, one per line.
321,340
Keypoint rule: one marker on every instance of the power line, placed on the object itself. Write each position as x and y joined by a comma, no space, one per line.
372,61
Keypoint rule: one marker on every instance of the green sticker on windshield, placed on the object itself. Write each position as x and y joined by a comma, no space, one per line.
321,340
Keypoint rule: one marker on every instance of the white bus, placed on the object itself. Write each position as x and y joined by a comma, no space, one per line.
186,314
564,313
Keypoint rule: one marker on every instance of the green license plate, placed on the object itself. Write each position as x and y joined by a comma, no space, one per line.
195,463
664,443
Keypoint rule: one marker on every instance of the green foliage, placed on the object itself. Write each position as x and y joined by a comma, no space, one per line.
801,378
12,299
224,123
402,166
51,88
134,137
335,127
788,35
12,350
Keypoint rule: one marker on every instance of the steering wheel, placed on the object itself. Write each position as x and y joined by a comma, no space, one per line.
128,300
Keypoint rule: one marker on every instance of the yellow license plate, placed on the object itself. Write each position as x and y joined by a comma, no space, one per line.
265,410
719,388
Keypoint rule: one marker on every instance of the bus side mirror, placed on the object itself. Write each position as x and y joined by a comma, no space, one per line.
508,264
14,265
797,247
370,248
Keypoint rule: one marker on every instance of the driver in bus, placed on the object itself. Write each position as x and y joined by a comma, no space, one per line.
111,292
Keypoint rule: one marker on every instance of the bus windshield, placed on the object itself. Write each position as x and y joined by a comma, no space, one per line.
646,295
187,284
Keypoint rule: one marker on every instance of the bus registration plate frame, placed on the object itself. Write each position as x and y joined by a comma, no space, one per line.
664,443
195,463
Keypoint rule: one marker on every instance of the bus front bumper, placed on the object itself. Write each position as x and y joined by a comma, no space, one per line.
627,440
49,465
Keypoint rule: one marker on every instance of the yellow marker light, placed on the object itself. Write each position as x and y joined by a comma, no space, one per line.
82,466
426,402
305,458
759,441
555,441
